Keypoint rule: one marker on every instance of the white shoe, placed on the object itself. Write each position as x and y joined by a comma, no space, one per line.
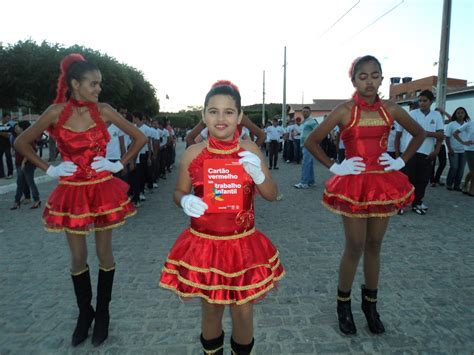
142,196
423,207
155,185
301,186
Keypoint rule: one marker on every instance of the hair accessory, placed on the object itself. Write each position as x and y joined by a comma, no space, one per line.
225,83
64,66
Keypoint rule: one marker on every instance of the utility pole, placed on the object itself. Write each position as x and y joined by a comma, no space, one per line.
443,56
263,101
283,109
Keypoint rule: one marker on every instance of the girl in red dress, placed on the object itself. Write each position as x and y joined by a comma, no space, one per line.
367,188
88,197
221,257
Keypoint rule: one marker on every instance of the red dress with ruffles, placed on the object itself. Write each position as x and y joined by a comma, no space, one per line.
221,257
86,201
375,192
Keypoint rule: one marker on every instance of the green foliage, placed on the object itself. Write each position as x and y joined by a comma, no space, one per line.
29,73
182,119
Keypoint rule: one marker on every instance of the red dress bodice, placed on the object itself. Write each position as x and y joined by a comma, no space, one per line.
367,137
222,224
82,147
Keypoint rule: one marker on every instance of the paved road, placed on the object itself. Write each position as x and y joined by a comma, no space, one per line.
426,292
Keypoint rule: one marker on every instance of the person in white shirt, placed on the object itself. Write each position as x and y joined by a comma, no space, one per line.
419,167
457,160
274,134
116,146
145,156
467,131
158,133
288,148
296,134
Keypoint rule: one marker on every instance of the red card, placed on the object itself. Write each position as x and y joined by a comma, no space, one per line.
223,185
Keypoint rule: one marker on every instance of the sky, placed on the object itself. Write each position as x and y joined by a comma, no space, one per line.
183,46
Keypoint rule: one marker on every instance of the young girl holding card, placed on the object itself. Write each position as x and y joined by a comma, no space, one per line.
221,257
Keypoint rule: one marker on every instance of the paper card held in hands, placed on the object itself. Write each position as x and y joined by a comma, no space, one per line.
223,185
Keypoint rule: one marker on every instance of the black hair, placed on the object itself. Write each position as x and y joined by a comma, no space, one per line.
76,71
428,94
129,117
453,116
224,90
138,115
23,125
307,108
362,60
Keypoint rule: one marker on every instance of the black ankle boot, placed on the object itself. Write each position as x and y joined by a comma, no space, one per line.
344,313
104,295
369,307
83,291
241,349
213,346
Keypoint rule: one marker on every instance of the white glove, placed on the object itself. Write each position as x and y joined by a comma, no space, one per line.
253,166
193,206
391,164
66,168
351,166
102,164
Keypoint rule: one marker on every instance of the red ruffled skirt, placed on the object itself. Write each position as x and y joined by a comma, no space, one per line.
222,270
83,207
376,194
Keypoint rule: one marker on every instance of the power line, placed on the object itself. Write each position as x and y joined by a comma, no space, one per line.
378,18
339,19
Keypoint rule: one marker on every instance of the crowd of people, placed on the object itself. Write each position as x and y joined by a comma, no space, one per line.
381,156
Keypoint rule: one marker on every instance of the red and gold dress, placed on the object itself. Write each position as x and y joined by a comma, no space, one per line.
221,257
86,201
375,192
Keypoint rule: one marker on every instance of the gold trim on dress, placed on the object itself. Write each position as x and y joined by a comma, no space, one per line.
223,151
224,237
368,203
89,214
210,300
220,272
359,215
85,232
387,119
82,183
216,287
370,122
376,172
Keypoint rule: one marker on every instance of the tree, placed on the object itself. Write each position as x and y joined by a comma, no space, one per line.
29,72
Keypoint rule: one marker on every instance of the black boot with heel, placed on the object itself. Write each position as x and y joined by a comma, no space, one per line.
83,291
344,313
104,295
369,307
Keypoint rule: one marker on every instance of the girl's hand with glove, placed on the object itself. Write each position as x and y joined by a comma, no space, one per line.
351,166
66,168
253,166
193,206
102,164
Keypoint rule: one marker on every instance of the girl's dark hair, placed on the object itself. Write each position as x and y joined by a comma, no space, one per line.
224,87
23,125
453,116
73,66
358,62
428,94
